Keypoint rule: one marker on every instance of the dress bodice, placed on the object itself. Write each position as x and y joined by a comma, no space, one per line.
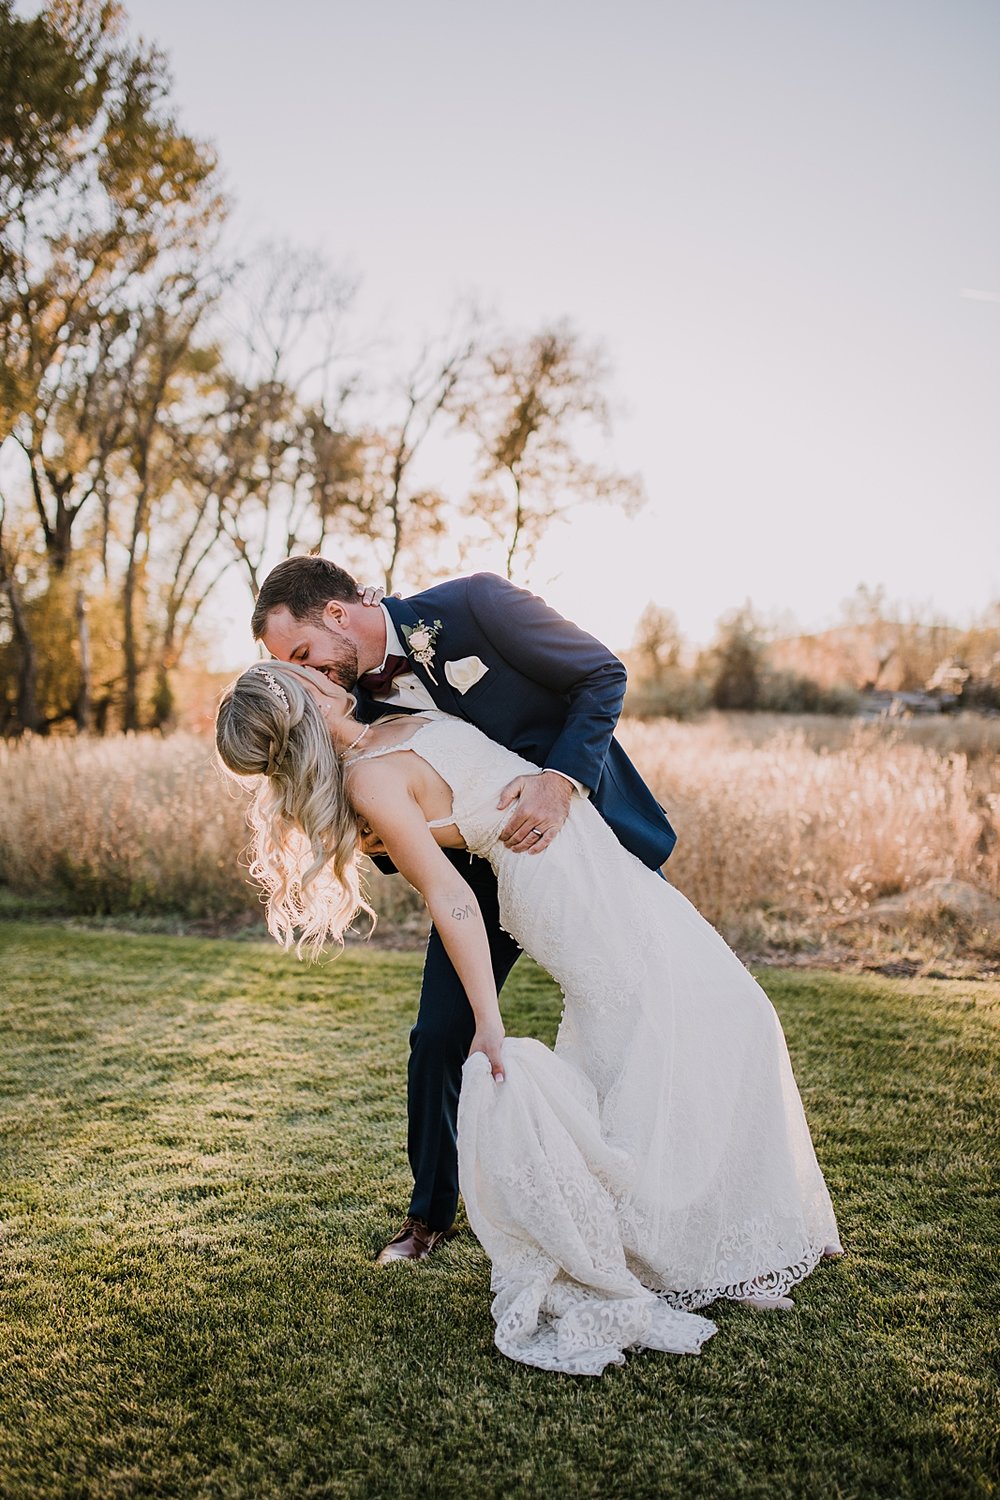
475,767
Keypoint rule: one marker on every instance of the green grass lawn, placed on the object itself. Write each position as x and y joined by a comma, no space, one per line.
203,1148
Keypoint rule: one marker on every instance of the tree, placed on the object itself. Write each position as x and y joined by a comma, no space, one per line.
866,612
658,643
397,513
164,380
100,186
660,682
286,469
736,661
104,198
532,404
27,713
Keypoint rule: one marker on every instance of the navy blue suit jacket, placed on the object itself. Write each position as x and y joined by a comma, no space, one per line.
552,694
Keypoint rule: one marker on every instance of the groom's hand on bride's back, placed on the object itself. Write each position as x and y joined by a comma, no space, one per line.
371,844
541,807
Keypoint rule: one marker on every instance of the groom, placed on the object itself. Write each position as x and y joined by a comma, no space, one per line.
497,656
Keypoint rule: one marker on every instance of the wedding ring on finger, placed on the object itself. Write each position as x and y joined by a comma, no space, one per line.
539,832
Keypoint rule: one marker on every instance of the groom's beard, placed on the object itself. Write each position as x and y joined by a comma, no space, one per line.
341,662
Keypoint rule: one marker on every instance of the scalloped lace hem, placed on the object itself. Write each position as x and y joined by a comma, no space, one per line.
776,1283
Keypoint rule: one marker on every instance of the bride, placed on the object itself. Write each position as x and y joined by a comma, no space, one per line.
659,1159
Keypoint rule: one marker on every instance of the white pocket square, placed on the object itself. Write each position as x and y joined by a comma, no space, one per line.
465,672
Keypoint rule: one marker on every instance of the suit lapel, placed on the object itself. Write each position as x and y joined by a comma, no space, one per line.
402,612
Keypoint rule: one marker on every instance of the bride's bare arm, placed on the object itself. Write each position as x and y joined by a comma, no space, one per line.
382,797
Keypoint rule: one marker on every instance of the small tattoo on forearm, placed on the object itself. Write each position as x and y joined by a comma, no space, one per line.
461,912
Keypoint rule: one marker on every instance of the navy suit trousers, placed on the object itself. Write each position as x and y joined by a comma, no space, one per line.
439,1045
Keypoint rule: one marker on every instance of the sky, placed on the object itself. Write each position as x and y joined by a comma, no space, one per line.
781,218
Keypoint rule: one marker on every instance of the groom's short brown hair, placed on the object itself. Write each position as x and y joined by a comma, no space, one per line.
302,585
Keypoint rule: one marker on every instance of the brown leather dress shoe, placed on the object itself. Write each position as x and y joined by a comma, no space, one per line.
415,1241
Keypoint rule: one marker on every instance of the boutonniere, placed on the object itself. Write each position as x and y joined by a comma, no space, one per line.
421,642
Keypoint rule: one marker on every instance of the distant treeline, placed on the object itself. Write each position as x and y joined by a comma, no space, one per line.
875,649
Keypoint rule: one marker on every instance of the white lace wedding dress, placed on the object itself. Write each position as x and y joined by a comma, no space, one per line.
659,1158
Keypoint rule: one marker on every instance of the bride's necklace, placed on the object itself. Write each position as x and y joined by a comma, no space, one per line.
345,753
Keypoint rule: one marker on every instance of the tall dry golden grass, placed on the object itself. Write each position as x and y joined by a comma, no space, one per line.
147,824
126,823
781,834
782,829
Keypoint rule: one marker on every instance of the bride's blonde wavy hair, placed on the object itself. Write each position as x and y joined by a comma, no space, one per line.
304,848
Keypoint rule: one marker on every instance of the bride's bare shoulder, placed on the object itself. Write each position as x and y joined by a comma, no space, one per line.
385,793
378,772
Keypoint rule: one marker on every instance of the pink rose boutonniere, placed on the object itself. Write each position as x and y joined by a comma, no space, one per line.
421,643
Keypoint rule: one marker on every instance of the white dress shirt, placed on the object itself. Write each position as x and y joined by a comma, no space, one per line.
407,691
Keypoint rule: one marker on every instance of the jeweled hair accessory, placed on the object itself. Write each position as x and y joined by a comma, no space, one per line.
273,686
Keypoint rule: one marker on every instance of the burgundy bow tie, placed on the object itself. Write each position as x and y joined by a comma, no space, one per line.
380,681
